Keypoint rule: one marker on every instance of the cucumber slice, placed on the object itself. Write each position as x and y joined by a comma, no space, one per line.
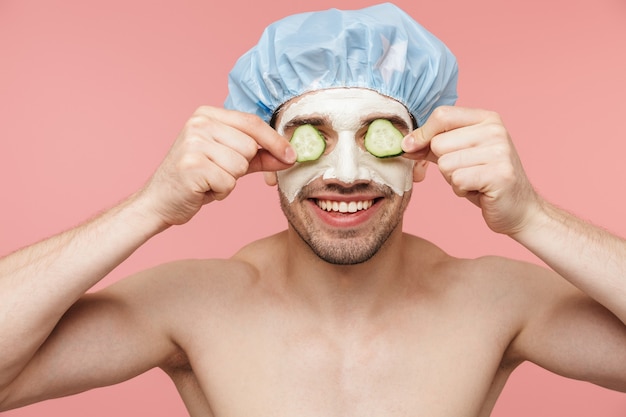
383,139
308,142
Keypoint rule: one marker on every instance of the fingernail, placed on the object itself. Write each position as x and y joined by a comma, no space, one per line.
290,155
408,143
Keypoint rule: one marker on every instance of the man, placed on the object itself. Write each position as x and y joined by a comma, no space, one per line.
342,313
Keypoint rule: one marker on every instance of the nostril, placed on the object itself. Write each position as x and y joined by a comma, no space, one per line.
345,162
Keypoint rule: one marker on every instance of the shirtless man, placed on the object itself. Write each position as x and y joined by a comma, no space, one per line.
342,314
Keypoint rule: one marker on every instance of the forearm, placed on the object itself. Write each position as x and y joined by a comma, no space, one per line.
591,258
39,283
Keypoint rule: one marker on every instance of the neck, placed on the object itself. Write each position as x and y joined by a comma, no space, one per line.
343,291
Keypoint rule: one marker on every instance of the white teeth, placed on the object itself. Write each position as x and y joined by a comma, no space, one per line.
344,207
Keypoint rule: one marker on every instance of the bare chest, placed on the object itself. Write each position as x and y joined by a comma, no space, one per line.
436,366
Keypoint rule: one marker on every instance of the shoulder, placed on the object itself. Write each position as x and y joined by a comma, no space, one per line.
510,294
476,271
208,281
522,287
499,272
520,291
207,271
525,279
183,286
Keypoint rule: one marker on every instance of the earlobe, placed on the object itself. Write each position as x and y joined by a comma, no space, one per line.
271,178
419,170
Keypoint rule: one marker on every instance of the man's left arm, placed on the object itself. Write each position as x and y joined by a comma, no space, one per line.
579,333
591,258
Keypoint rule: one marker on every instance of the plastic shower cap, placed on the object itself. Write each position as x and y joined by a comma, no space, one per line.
379,48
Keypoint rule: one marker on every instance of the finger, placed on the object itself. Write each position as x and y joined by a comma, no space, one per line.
200,174
230,148
485,134
465,158
238,154
228,159
218,182
490,180
496,154
234,139
443,119
265,161
422,155
416,142
252,125
469,182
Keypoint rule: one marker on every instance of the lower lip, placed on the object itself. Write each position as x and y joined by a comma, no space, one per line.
344,220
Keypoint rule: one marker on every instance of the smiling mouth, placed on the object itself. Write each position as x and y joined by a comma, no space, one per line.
344,206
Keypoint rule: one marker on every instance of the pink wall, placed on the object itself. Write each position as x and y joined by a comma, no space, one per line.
91,96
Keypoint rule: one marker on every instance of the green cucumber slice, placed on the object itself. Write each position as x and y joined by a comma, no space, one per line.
383,139
308,143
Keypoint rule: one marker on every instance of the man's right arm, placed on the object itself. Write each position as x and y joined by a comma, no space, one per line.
40,283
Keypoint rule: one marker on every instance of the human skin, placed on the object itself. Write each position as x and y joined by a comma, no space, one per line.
276,330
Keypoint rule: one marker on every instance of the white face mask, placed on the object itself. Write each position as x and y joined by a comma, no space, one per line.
346,109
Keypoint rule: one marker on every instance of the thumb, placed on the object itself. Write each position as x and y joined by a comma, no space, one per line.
416,145
265,161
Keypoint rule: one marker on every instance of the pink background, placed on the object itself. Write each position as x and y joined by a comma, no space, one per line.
93,93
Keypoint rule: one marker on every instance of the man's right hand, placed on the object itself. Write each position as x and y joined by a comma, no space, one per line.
214,149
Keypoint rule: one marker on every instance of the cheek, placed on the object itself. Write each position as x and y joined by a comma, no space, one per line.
396,173
292,180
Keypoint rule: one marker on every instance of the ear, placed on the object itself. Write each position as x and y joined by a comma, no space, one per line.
270,178
419,170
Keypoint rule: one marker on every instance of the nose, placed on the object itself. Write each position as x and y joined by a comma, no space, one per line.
346,166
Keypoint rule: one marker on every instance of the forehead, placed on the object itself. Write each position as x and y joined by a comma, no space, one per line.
344,108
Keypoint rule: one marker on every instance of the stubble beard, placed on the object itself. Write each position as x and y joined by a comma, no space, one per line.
345,246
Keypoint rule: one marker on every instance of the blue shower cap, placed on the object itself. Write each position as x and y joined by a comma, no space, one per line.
379,48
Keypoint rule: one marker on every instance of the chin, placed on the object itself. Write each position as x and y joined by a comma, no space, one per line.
346,250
